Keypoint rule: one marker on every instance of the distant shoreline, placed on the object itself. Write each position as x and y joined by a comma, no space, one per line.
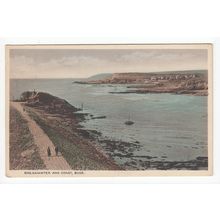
105,75
175,82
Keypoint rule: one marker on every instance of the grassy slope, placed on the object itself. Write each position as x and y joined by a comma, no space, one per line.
23,151
75,155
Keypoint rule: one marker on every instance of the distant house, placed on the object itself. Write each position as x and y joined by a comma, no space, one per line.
153,78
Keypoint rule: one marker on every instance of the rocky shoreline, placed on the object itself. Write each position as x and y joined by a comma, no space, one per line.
165,90
175,82
87,149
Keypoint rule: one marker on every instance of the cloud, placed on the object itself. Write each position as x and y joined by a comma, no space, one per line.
74,66
75,61
21,65
88,63
159,55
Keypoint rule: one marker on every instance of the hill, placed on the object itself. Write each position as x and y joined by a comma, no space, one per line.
47,101
100,76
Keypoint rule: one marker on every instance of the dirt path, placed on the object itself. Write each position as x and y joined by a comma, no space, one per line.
43,142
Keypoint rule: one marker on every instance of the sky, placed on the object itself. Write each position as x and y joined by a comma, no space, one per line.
83,63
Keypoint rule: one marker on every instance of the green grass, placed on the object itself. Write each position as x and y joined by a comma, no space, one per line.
21,140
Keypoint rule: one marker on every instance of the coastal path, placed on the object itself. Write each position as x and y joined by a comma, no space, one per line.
43,142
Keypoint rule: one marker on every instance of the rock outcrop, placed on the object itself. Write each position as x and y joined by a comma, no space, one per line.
46,101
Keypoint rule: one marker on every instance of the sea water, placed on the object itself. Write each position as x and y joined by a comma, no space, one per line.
168,126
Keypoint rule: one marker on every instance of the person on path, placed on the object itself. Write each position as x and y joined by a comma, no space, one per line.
48,152
56,150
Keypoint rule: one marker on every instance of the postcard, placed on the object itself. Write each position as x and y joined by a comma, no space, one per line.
109,110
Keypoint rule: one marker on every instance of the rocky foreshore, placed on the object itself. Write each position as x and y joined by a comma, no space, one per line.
88,149
177,91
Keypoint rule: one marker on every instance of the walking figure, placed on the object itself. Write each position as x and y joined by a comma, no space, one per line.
48,152
56,150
